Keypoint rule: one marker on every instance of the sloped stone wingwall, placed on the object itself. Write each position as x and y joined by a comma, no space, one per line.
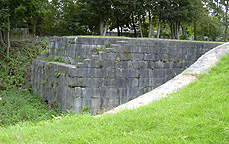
103,73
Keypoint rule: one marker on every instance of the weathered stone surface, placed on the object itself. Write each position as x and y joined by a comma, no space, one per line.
105,79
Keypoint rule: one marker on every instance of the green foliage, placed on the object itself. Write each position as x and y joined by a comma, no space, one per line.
15,69
102,49
86,17
125,51
43,83
117,62
21,106
52,84
57,75
65,73
85,109
75,84
101,66
79,59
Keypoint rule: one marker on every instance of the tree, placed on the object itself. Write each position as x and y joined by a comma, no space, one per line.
17,14
181,12
101,9
14,11
225,4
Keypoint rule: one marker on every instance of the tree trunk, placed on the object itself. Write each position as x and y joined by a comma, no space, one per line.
1,38
8,36
178,30
140,27
105,29
184,31
159,28
101,27
150,26
135,32
118,26
172,31
195,32
225,32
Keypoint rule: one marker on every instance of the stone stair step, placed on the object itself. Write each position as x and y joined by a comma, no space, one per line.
81,64
110,50
95,57
121,42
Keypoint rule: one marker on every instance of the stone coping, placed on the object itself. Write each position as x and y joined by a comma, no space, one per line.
202,65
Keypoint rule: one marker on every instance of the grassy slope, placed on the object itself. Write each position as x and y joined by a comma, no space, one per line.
196,114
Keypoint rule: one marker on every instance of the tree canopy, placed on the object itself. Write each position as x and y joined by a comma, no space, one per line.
177,19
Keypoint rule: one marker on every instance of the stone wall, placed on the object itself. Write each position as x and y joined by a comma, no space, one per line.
103,73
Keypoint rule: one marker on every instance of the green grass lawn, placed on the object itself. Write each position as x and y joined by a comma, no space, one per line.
198,113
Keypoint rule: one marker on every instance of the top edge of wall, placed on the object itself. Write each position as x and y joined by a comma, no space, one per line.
128,38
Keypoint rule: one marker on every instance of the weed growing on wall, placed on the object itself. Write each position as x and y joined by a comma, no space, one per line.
84,109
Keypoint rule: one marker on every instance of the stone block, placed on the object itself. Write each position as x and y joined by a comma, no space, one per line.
151,82
77,104
158,64
103,55
109,82
144,73
120,73
132,82
110,50
108,92
111,56
165,50
100,73
77,92
96,103
157,73
138,57
149,57
131,94
73,72
143,82
110,73
120,82
140,64
124,64
157,57
133,73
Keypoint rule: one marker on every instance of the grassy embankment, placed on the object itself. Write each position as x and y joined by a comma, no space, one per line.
196,114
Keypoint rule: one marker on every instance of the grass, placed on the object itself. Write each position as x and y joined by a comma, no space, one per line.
23,107
196,114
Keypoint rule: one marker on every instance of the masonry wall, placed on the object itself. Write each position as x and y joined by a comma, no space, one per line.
103,73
